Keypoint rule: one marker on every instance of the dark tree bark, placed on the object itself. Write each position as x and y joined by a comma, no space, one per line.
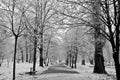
117,64
116,55
2,57
41,57
67,60
14,61
117,50
75,63
99,64
26,57
26,49
91,61
99,40
76,54
22,58
83,62
41,47
98,56
70,60
34,56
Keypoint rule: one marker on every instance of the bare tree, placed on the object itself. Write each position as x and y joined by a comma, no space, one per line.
13,20
44,11
99,40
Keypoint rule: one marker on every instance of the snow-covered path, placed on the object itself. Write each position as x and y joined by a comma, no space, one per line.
59,68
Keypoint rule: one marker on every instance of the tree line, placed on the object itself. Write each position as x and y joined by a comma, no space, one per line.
35,19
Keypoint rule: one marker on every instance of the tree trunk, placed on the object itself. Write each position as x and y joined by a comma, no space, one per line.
76,54
117,64
116,53
1,60
99,64
67,60
83,62
70,60
26,57
41,57
26,50
14,61
47,53
22,56
98,56
41,47
34,56
99,40
46,61
30,58
75,63
91,61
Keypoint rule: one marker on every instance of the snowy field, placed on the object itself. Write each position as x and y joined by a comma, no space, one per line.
85,73
21,68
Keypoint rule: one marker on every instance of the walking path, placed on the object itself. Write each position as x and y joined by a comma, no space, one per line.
62,72
59,68
58,72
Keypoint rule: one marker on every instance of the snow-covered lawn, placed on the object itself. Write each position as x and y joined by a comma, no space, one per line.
85,73
21,68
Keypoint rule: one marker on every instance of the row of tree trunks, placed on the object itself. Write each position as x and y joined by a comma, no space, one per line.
47,59
71,60
24,56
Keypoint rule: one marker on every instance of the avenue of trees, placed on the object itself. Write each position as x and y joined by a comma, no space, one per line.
35,30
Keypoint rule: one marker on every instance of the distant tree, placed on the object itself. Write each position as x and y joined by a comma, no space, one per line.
48,35
3,36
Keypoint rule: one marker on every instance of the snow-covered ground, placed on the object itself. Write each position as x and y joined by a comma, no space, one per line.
21,68
85,73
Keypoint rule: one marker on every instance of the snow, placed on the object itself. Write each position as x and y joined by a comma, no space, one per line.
21,68
85,73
